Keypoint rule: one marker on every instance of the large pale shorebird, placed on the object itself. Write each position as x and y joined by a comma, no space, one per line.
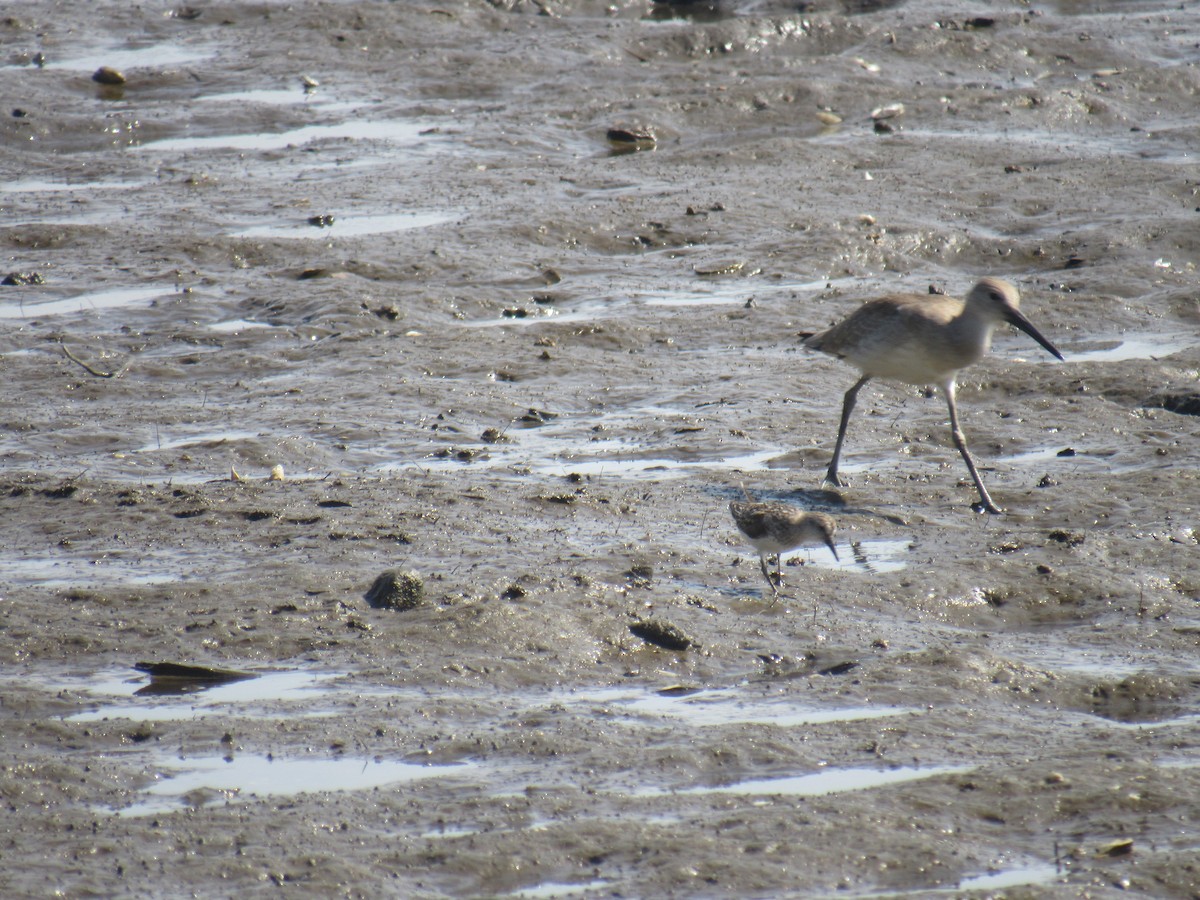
777,528
924,340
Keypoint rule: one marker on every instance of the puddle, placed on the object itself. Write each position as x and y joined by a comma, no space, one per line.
143,703
1061,456
348,226
551,889
818,784
541,452
206,439
67,572
237,326
1020,876
1046,651
730,707
1142,346
1190,721
282,97
871,556
247,777
157,56
399,131
736,291
35,186
1037,873
1185,762
449,833
653,467
110,299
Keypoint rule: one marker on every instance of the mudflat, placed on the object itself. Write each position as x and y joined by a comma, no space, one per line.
393,366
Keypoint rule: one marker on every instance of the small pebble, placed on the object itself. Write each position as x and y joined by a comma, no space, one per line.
396,590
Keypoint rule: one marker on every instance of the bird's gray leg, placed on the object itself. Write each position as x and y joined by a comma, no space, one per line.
831,474
762,562
766,574
985,501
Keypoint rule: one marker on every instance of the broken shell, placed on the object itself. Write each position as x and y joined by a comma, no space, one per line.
629,140
1121,847
309,82
719,268
869,66
276,473
887,112
827,118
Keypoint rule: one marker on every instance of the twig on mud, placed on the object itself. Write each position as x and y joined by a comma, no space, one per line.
116,373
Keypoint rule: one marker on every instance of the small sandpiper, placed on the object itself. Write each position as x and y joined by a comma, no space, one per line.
923,340
776,528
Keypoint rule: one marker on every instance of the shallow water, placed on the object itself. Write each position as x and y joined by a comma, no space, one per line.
251,778
31,307
528,369
834,781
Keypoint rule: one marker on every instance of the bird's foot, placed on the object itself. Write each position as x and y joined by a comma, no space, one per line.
987,506
776,582
831,477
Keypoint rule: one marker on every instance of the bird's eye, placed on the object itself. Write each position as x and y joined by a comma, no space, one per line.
997,297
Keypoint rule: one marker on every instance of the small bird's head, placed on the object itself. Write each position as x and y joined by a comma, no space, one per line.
825,528
1001,301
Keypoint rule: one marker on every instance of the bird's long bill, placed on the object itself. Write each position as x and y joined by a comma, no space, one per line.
1015,317
832,548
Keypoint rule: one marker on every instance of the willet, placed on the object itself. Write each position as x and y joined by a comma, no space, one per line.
775,528
923,340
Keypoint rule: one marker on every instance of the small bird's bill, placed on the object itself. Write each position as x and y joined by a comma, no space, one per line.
832,549
1015,317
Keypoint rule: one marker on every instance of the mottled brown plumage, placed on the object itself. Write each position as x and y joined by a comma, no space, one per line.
775,528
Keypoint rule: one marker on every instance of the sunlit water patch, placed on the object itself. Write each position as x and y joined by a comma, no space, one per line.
1127,347
347,226
157,56
1036,873
42,186
282,97
737,292
237,326
817,784
1002,879
101,570
1189,721
871,556
1062,459
655,467
207,439
140,699
114,298
727,707
85,569
243,777
549,890
399,131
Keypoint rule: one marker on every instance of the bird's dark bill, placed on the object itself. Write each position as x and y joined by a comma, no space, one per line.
1016,318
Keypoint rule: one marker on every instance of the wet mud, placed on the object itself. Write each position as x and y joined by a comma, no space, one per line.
345,348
